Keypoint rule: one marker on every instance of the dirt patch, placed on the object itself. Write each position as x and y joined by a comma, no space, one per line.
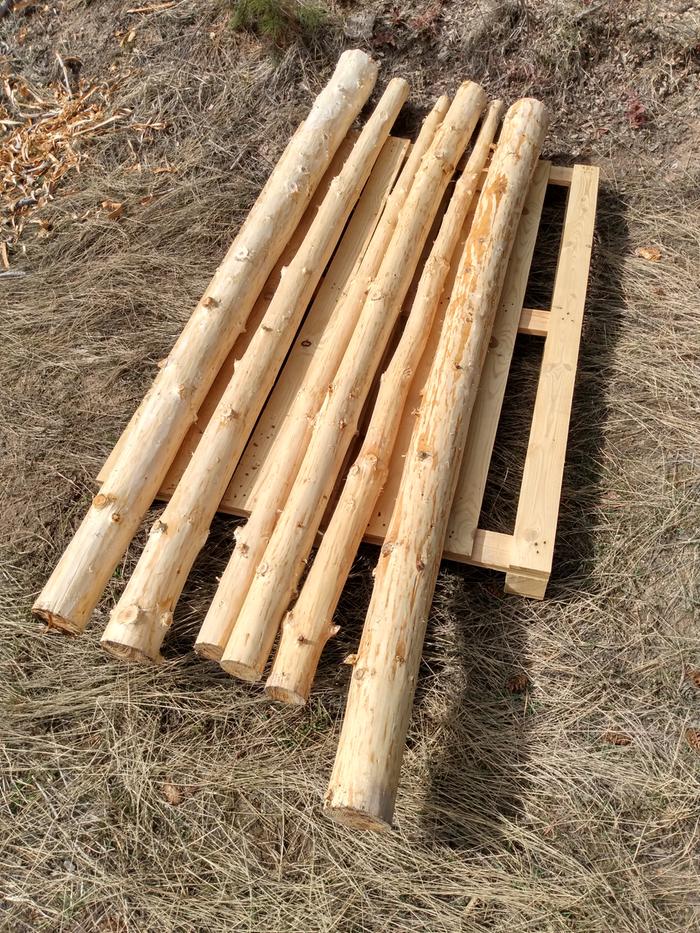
178,800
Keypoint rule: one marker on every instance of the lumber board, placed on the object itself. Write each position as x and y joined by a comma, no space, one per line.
533,321
538,505
469,494
561,175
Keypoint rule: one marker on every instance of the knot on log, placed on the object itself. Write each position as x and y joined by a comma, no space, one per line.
102,500
228,414
243,254
210,302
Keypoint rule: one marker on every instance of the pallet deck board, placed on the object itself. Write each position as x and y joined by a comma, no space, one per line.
538,505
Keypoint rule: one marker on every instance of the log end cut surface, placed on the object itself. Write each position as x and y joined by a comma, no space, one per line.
356,819
128,653
285,695
239,669
57,622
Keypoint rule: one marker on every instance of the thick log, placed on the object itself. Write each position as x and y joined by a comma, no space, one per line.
170,406
284,559
364,782
144,613
284,459
309,624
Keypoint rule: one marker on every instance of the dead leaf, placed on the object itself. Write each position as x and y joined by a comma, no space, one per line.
693,676
616,738
650,253
114,209
637,115
693,739
517,683
172,793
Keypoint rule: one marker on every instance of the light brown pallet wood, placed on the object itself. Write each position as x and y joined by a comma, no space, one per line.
527,565
532,549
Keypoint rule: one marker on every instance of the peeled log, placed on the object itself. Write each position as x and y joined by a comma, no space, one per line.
364,782
144,613
286,454
284,559
169,408
309,624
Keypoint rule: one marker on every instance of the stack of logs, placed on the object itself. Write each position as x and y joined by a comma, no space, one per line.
271,550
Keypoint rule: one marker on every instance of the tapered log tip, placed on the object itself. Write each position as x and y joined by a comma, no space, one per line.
55,622
356,819
285,695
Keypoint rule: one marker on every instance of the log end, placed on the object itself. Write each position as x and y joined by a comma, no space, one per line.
356,819
208,650
55,622
241,670
129,652
285,694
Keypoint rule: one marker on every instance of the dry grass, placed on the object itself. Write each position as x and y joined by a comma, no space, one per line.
550,782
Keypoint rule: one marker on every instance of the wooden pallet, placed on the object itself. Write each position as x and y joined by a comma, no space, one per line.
525,555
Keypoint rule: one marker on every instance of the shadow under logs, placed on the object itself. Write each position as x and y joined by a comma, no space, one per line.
475,664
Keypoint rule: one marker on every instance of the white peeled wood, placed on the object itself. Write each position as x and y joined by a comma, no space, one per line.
309,623
143,615
282,463
364,782
278,573
169,408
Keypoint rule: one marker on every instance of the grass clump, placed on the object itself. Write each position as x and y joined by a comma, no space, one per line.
280,21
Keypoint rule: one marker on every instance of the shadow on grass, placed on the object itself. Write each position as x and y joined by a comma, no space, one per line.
478,778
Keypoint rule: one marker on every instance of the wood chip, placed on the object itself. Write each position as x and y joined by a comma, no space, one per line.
517,683
650,253
616,738
172,793
114,209
4,256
